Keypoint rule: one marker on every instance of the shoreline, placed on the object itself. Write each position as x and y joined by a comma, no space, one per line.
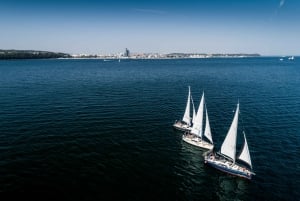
37,54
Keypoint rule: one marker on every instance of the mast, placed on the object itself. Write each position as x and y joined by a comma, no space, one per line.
207,131
194,112
186,117
197,126
228,147
245,154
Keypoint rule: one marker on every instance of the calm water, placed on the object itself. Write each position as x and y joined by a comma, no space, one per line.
89,129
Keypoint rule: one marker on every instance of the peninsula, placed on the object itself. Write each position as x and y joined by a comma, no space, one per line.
31,54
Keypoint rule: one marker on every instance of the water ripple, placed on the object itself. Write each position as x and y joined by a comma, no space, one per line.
104,128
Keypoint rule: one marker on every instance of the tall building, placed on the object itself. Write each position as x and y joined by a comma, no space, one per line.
126,53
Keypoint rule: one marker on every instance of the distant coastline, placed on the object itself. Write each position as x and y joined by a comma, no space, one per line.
164,56
31,54
35,54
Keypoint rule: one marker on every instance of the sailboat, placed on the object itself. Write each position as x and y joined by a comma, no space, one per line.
226,160
186,122
196,136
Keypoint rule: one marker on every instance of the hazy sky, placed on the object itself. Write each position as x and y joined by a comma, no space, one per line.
268,27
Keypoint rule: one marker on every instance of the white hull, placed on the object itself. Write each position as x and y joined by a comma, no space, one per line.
196,141
179,125
227,166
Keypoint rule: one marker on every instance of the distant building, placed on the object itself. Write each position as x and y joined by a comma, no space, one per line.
126,53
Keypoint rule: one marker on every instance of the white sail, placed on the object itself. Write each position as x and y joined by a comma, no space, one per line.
245,154
197,126
194,112
207,131
228,147
186,117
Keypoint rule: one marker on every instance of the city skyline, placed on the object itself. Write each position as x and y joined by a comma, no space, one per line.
91,27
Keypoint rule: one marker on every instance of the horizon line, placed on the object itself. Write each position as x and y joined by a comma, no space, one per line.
267,55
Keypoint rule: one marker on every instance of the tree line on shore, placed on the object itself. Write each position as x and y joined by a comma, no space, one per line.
31,54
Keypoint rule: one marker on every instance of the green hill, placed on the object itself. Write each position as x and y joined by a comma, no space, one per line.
31,54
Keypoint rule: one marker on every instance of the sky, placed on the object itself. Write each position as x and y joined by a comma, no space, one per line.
267,27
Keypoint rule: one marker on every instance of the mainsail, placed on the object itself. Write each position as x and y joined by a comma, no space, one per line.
197,126
186,117
245,155
228,147
207,131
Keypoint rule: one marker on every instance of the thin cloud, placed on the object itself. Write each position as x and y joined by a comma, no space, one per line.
151,11
277,10
281,3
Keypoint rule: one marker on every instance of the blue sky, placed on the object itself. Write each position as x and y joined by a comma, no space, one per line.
268,27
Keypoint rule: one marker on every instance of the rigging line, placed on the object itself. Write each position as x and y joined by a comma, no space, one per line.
241,117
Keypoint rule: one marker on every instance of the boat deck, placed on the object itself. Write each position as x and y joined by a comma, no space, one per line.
196,141
227,166
179,125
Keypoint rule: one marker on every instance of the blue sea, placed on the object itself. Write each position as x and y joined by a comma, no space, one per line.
102,130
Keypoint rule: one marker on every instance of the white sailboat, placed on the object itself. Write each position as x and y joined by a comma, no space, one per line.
226,159
196,135
186,122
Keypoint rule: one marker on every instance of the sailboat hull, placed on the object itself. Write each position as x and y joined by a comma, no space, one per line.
196,141
227,167
179,125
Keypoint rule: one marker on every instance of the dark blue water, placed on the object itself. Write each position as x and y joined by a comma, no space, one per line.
89,129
